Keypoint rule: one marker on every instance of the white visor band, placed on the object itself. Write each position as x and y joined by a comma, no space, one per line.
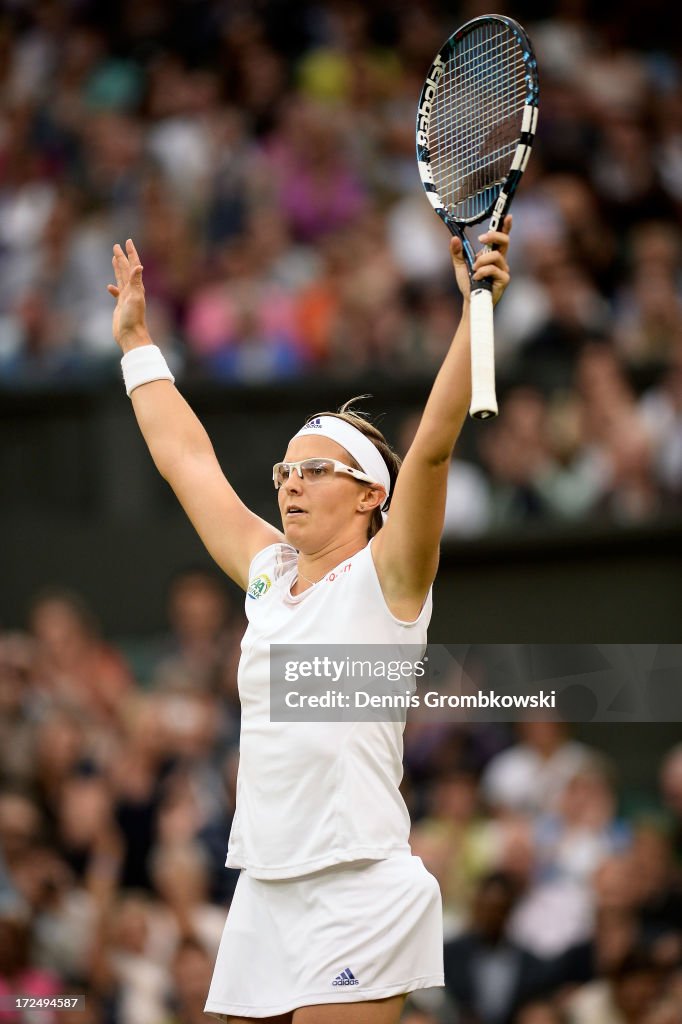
357,444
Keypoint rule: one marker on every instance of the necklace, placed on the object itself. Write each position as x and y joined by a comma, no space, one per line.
300,576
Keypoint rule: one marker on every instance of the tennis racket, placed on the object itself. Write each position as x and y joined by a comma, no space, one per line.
476,121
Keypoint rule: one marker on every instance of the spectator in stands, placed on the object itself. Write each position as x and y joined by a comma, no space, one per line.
615,935
647,330
62,748
204,631
531,775
85,822
62,913
21,826
486,974
17,662
576,313
660,882
661,411
130,958
584,830
137,775
75,665
626,997
18,976
455,841
517,455
191,970
180,875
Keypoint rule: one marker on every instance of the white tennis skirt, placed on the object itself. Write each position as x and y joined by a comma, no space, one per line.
347,934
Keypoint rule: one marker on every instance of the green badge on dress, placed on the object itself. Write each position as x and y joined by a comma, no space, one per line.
259,585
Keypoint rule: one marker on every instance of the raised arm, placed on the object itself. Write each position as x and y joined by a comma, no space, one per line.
178,443
406,549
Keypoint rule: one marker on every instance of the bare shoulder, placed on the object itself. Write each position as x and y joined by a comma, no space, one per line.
404,596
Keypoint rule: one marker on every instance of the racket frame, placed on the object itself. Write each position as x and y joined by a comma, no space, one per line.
483,399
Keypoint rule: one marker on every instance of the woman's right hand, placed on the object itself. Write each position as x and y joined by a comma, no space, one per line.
129,325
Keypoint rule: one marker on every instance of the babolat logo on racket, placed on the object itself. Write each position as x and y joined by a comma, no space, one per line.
259,585
428,95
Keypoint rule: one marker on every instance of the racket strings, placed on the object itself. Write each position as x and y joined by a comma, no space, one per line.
472,83
481,150
476,120
481,141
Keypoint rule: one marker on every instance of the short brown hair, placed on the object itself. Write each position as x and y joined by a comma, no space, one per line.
361,421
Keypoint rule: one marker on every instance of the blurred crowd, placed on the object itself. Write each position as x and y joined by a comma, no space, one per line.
262,156
118,767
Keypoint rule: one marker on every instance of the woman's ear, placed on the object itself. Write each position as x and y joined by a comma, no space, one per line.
374,497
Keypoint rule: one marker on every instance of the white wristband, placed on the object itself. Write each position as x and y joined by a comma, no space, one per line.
142,365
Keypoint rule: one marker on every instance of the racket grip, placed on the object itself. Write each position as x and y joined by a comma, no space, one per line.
483,400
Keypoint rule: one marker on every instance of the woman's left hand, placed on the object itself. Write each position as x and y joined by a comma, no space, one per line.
492,264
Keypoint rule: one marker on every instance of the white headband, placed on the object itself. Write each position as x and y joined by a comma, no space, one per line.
357,444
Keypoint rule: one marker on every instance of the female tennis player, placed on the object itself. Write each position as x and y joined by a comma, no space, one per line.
333,921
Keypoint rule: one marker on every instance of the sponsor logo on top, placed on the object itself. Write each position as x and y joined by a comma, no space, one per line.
259,586
345,978
335,574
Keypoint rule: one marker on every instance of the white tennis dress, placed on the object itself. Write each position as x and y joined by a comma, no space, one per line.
331,907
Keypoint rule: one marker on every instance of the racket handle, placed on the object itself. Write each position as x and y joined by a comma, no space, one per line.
483,400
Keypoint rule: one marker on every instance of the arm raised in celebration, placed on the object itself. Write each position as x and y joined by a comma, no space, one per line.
178,443
406,550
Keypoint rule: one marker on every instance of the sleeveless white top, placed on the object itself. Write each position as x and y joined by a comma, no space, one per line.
314,794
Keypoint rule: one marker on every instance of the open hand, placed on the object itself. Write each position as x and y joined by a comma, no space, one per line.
491,264
129,325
